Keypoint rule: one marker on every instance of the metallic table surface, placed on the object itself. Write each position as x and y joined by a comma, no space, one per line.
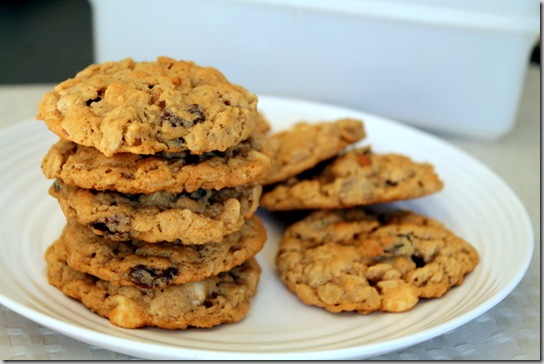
509,331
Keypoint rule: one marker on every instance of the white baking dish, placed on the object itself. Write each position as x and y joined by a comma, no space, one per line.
453,66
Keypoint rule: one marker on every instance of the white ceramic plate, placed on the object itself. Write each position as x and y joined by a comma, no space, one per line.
475,203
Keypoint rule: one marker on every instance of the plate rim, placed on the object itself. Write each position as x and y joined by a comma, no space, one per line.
83,333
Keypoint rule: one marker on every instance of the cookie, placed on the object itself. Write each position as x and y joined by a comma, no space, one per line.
192,218
263,125
156,265
86,167
149,107
362,261
304,145
358,177
216,300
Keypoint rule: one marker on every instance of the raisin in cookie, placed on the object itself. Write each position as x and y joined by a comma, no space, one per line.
156,265
305,145
86,167
358,177
356,260
216,300
150,107
192,218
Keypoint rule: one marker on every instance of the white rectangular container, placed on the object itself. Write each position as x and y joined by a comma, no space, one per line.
451,66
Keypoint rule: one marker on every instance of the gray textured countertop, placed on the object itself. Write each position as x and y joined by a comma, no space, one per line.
510,330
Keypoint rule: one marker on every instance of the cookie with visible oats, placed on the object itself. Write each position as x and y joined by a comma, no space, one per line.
191,218
357,177
305,144
216,300
156,265
148,107
85,167
362,261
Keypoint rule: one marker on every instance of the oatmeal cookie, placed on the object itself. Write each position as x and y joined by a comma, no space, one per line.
305,145
358,177
149,107
86,167
363,261
192,218
263,125
156,265
216,300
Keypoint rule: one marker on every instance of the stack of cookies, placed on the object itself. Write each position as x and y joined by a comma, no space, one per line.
157,171
345,253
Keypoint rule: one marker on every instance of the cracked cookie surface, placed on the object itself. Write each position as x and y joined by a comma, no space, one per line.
148,107
362,261
85,167
192,218
156,265
357,177
306,144
216,300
